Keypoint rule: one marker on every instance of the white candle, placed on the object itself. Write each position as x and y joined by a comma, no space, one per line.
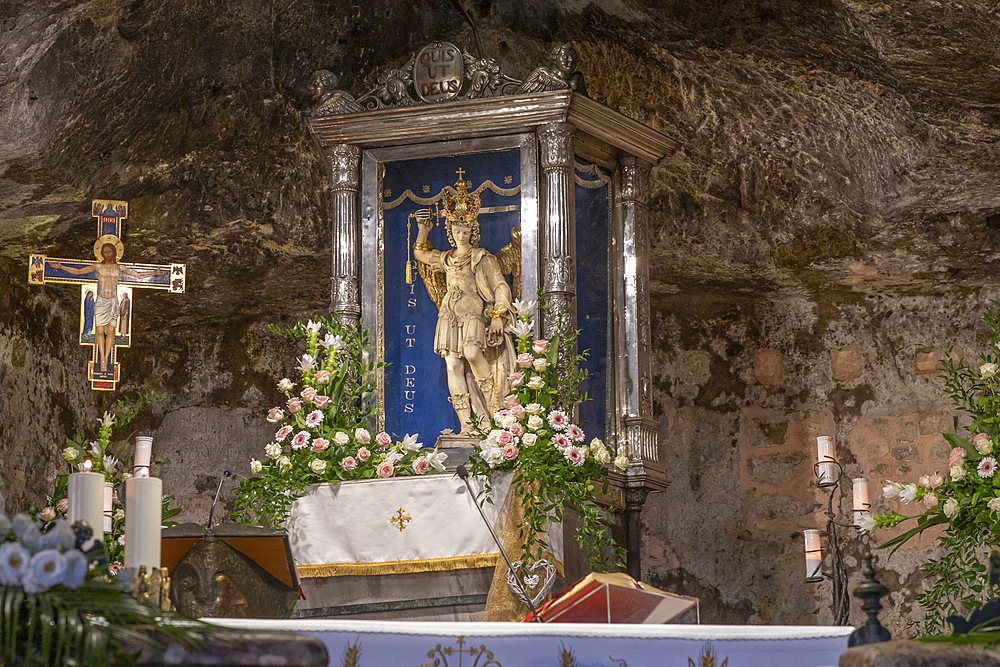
109,494
143,516
85,492
861,502
143,451
825,470
814,555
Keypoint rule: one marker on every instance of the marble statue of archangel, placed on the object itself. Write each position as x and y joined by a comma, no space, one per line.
475,306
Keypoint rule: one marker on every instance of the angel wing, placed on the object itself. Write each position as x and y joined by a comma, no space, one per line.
434,281
509,258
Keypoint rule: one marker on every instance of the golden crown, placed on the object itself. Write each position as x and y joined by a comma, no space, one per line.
461,207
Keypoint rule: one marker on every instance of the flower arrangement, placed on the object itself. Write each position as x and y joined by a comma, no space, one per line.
535,438
100,449
965,500
322,429
59,608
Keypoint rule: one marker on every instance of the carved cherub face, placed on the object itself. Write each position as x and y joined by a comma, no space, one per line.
322,82
564,59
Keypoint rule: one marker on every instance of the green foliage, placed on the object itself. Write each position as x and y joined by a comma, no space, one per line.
966,500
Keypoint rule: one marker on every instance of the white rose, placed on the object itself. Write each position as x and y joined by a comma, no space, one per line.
71,453
985,447
255,466
362,435
951,508
534,408
284,462
621,462
536,383
540,364
535,422
341,438
988,371
273,451
285,385
601,455
957,473
528,439
317,465
994,504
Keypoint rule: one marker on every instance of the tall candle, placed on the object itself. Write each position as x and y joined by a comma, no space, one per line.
143,516
143,451
109,494
814,555
826,471
861,502
85,492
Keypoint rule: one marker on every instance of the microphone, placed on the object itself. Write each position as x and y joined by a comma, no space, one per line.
215,502
463,474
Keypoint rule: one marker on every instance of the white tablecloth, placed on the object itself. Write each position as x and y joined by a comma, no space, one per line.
411,644
395,526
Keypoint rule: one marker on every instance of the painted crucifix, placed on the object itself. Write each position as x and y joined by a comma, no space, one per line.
106,290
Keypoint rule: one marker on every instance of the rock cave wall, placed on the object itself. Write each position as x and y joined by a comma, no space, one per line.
829,223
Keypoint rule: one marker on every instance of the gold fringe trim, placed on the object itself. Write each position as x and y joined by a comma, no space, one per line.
398,566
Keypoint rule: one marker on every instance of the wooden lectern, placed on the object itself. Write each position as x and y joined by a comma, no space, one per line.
231,571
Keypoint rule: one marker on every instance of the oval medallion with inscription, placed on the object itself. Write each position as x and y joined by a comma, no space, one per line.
438,71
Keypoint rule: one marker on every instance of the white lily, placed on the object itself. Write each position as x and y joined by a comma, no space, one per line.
523,329
107,420
410,443
314,327
307,362
524,306
437,459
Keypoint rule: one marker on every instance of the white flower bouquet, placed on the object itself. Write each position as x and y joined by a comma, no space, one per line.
534,437
322,428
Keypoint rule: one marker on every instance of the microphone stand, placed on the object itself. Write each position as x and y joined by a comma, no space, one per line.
463,474
211,512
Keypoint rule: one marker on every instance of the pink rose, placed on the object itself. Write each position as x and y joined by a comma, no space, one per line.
308,394
364,454
540,346
385,469
320,444
383,440
63,505
48,514
323,376
510,452
505,438
511,400
348,463
282,433
518,411
321,401
516,378
294,405
275,415
956,457
525,360
420,465
517,430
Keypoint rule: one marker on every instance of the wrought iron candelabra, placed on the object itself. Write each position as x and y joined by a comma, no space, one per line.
829,474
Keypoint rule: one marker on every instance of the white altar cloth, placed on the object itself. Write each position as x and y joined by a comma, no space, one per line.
413,644
396,526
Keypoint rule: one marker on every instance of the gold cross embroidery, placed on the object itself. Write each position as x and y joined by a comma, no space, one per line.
400,519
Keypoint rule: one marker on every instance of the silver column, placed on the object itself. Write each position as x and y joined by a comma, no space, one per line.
639,429
558,224
345,297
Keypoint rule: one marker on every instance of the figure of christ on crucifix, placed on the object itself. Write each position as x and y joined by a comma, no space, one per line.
105,317
106,306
